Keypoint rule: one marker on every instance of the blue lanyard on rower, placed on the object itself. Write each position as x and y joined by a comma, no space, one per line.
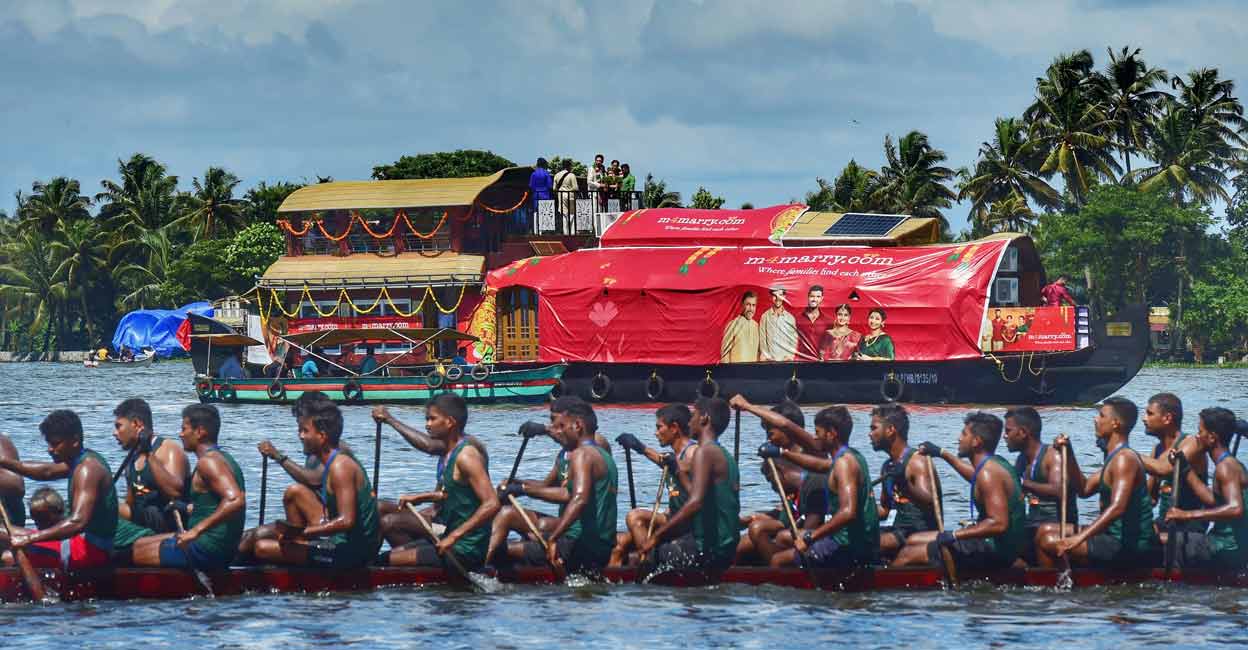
73,464
1221,458
325,477
442,464
1031,471
975,477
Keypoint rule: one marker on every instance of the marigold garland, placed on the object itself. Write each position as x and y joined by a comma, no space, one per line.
487,208
356,217
305,297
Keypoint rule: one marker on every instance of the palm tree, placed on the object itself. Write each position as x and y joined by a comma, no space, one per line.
1012,212
657,196
1126,88
1189,158
1074,133
145,199
212,206
81,257
55,205
1210,100
1068,74
1008,167
146,279
28,281
913,181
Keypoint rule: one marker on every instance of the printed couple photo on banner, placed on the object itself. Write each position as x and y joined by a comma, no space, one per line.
812,334
1028,329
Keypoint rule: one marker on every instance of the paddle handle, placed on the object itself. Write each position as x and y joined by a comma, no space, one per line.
537,534
1061,472
784,500
264,484
736,439
945,555
632,488
134,451
377,461
654,512
515,466
450,554
33,583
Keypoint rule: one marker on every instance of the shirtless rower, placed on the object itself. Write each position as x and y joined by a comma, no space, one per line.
671,428
996,538
12,487
1122,535
84,540
851,535
464,499
218,502
768,533
1163,419
584,534
555,488
1039,468
1225,546
154,479
703,533
906,484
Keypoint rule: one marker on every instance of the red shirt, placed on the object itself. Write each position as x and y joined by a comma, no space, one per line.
1055,294
809,334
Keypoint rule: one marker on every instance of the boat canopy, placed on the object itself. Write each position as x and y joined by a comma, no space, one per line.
156,329
504,185
332,337
221,339
373,271
692,305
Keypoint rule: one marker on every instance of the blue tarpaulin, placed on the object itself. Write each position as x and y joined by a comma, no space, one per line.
156,329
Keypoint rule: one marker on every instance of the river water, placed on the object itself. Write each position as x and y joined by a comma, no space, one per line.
596,615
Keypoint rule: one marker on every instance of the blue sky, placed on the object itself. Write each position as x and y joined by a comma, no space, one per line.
751,98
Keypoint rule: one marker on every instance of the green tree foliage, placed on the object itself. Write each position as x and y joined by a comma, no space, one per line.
913,181
578,168
1007,170
461,163
261,202
658,196
211,207
704,200
1216,307
197,272
250,252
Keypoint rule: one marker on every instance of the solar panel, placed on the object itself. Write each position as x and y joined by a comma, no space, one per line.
853,224
544,248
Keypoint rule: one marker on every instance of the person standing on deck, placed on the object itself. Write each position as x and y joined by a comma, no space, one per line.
1039,467
777,330
566,187
584,535
1163,418
996,539
811,325
84,540
1056,294
768,533
12,487
350,536
740,340
155,478
907,485
671,428
465,499
218,502
1225,545
555,488
1122,535
713,511
850,537
540,182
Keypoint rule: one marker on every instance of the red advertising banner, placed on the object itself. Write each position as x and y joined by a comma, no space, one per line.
688,227
1028,329
298,326
708,305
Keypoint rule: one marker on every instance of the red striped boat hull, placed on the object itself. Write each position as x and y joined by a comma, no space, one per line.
133,583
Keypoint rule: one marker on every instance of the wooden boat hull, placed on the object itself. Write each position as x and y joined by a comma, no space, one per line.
501,386
134,583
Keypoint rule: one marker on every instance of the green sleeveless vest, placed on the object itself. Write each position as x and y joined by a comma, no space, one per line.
677,496
911,517
364,539
220,541
460,502
1010,544
102,524
716,528
1230,538
1165,491
1041,509
594,530
862,535
1135,527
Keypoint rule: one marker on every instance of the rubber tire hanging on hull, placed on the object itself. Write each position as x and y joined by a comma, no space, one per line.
712,384
227,393
277,390
889,395
600,387
454,373
435,380
655,387
557,390
793,389
352,391
480,372
204,390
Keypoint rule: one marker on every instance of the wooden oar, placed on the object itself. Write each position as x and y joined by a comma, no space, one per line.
632,489
788,513
199,575
33,583
377,461
1172,540
515,503
450,553
736,441
264,484
654,512
950,569
1064,578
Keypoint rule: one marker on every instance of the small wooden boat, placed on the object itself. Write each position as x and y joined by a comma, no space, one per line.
134,583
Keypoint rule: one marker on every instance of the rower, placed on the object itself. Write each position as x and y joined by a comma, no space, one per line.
1122,535
218,502
703,533
851,536
1163,418
1039,467
84,540
671,428
555,488
906,486
584,534
155,477
769,533
465,499
398,526
47,508
12,487
1225,546
996,538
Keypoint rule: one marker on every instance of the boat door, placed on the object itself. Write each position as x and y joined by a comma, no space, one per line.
517,324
